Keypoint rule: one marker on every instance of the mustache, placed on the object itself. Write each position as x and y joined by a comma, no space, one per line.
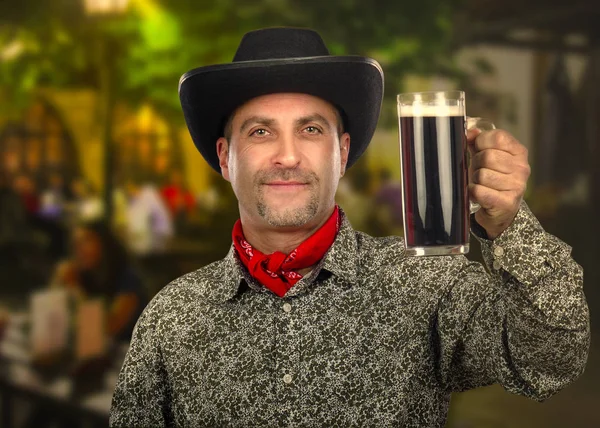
267,176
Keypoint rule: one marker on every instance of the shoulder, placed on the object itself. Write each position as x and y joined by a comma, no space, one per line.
388,253
379,250
367,242
190,292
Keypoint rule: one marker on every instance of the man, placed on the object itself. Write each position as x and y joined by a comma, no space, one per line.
149,223
307,322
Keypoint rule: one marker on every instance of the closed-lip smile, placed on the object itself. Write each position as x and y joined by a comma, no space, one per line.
285,183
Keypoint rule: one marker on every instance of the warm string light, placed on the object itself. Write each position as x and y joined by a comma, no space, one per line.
94,7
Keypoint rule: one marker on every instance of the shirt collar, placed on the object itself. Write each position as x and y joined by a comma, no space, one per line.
341,260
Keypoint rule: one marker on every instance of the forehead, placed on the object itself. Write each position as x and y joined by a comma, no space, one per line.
286,104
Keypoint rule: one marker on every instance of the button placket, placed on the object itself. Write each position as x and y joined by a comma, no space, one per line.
498,253
287,358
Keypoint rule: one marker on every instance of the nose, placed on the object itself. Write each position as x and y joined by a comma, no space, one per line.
287,154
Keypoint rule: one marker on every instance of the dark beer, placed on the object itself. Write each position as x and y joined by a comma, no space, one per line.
436,203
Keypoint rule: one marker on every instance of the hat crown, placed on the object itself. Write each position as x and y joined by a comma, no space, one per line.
278,43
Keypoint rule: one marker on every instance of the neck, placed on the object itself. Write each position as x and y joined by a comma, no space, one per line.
269,239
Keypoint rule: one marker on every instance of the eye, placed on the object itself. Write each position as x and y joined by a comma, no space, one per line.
261,132
312,130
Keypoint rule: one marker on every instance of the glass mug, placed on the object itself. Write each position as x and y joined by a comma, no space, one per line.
433,160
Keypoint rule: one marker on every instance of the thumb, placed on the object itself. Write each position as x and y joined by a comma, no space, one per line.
472,135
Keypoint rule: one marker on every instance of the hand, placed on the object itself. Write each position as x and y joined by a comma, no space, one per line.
497,178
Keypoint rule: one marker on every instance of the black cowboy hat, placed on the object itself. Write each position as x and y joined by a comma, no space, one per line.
275,60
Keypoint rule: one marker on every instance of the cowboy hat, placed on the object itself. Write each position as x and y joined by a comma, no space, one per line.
275,60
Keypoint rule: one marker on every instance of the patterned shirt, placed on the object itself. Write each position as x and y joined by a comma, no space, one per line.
370,338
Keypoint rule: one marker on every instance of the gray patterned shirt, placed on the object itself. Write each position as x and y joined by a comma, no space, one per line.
370,338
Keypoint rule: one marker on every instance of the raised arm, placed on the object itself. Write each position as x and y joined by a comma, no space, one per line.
525,325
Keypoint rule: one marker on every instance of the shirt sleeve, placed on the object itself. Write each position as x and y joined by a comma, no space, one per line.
524,323
142,396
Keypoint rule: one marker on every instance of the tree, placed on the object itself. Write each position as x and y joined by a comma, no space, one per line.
54,43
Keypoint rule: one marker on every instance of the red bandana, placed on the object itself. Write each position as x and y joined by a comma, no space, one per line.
276,271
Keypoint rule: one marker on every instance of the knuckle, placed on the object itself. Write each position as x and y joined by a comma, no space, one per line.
480,194
502,137
485,176
524,170
476,161
487,158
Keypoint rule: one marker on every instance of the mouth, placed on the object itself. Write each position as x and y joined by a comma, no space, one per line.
286,185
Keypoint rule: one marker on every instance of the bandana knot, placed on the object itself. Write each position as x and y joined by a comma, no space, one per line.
277,271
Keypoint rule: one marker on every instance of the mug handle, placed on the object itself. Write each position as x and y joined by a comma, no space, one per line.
483,125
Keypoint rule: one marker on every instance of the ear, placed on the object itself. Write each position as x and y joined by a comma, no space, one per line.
344,152
223,154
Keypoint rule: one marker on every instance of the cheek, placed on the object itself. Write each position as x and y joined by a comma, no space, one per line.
331,166
242,169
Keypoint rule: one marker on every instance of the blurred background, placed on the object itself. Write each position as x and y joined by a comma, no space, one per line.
104,198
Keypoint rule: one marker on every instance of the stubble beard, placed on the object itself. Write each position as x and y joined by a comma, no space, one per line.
288,217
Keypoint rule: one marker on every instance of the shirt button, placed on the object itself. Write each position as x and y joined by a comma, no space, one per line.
498,251
496,265
287,378
287,307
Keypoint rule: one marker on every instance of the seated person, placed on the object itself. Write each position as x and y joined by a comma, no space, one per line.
100,267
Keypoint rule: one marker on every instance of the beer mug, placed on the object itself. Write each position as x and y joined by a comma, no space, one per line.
433,160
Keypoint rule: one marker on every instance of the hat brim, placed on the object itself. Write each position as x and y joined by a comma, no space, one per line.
353,84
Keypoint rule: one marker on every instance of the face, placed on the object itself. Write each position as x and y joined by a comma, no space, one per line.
284,159
87,248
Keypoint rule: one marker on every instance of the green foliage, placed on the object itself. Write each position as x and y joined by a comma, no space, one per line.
149,48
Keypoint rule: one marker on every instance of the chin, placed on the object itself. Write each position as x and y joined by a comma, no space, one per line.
289,215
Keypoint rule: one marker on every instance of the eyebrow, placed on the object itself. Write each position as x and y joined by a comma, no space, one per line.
316,117
256,119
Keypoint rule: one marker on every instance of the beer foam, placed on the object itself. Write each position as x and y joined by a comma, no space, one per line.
427,110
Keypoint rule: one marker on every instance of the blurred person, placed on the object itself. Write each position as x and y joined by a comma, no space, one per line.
179,200
149,223
208,200
119,219
54,198
87,203
50,215
15,234
99,266
13,215
308,322
26,188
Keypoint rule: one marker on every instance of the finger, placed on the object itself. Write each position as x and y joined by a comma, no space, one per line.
495,180
492,199
499,140
472,134
496,160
